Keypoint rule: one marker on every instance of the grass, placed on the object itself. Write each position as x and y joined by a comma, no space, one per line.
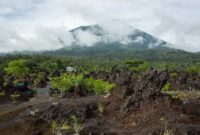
100,107
168,132
173,75
2,94
65,126
164,122
95,86
15,97
183,95
166,87
76,124
57,129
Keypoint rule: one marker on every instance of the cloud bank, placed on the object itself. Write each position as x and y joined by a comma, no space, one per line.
37,24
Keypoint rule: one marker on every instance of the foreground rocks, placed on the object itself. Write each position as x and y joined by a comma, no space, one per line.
146,90
135,107
185,81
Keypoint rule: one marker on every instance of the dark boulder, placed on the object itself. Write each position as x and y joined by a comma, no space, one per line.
185,81
147,88
191,107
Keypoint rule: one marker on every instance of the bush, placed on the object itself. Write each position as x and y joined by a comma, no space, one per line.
100,107
41,77
166,87
173,75
194,68
98,87
18,68
2,94
136,66
76,124
15,97
65,82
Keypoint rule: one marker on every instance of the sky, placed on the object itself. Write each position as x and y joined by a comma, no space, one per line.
37,24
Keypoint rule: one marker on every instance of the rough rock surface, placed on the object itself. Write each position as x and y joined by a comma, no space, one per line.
186,81
147,88
135,107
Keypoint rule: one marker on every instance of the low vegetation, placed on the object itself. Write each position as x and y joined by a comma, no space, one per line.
194,68
68,81
15,97
76,124
100,107
166,131
166,87
97,87
2,94
136,66
58,128
18,68
137,83
183,95
65,82
73,124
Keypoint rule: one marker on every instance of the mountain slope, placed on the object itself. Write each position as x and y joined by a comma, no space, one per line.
96,42
131,38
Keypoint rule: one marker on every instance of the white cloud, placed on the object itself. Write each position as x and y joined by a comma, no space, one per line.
139,40
86,38
116,31
174,21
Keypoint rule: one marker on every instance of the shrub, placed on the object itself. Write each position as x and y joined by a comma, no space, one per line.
100,107
58,128
173,74
166,131
48,66
19,68
183,95
41,76
98,87
136,66
166,87
194,68
76,124
15,97
65,82
2,94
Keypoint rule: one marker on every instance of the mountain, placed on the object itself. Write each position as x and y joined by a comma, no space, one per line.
96,39
117,43
133,38
97,42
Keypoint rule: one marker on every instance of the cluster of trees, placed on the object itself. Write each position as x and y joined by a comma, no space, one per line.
137,65
66,82
38,69
30,70
117,51
18,68
194,68
97,87
174,59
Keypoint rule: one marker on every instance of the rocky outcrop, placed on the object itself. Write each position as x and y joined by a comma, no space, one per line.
146,89
135,107
185,81
62,111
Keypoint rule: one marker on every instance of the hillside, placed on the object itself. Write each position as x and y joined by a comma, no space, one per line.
134,44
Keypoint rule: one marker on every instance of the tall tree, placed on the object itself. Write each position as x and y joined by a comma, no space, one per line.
18,68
